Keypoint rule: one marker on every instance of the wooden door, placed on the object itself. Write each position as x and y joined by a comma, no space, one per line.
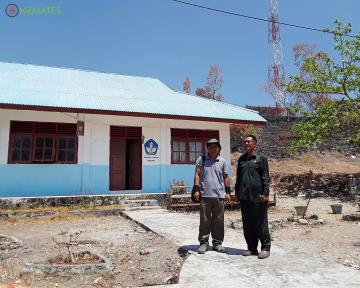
117,164
134,164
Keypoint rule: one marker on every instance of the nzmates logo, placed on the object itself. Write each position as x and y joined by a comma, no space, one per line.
12,10
151,147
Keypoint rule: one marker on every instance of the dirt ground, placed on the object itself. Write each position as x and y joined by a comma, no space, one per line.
139,257
329,162
334,241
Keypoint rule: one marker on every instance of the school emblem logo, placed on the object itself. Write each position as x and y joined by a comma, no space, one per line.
151,147
12,10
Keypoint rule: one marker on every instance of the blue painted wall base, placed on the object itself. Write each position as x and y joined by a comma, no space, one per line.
29,180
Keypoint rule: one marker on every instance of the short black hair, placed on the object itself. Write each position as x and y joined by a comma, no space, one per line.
252,136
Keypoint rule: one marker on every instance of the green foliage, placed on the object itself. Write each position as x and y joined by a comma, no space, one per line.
327,76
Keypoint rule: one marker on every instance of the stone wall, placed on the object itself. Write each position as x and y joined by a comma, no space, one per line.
335,184
275,138
70,201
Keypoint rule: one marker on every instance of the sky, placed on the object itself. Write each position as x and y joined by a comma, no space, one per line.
169,41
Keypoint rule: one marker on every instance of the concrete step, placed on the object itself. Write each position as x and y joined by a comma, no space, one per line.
140,204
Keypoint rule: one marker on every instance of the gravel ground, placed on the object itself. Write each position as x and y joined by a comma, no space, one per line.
139,257
334,241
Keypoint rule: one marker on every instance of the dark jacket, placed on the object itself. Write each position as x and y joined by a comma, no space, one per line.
252,177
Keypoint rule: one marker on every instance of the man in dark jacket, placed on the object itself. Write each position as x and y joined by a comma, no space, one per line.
252,190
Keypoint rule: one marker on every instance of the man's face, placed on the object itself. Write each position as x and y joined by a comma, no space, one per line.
249,144
213,149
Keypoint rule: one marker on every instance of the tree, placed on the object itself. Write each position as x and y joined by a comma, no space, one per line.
214,82
201,92
307,101
187,85
338,77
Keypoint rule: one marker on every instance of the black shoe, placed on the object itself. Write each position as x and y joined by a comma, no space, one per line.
219,248
264,254
203,248
250,253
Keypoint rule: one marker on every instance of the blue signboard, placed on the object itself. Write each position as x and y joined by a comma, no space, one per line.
151,147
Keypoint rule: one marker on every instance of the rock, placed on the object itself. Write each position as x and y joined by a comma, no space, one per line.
317,222
4,256
310,193
9,242
314,217
294,218
144,252
276,223
236,224
352,217
303,221
97,280
170,279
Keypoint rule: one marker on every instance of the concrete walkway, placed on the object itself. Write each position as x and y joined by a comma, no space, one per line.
284,268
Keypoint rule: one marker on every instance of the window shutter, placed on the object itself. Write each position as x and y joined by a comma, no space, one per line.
44,128
66,129
126,132
192,133
21,127
117,131
178,133
133,132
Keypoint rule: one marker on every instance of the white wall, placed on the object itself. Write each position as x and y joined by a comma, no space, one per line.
152,128
8,114
94,145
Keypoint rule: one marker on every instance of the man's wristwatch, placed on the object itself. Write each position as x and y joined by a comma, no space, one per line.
196,188
228,190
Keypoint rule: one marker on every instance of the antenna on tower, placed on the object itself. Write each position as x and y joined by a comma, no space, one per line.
276,72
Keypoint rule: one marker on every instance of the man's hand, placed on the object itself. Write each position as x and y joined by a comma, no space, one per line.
196,193
197,196
264,199
228,192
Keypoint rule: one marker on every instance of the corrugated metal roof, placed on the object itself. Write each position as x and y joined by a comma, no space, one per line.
32,85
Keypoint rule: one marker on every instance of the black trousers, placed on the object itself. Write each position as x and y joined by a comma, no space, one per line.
255,225
211,220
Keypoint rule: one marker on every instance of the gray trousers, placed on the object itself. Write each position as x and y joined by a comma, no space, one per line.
211,220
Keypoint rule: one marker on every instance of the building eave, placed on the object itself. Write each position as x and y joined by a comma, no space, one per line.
130,114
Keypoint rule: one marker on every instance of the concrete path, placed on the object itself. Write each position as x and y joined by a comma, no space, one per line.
284,268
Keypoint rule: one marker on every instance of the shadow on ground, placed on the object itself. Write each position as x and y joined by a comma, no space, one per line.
186,249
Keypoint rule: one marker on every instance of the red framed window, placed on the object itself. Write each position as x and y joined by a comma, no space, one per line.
67,147
41,142
196,149
44,149
20,148
179,151
188,144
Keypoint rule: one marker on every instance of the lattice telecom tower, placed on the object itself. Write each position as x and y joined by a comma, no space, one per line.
276,72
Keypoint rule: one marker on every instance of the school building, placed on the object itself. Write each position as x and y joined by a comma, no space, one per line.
74,132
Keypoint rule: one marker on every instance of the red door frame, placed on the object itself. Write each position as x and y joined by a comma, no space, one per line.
128,134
